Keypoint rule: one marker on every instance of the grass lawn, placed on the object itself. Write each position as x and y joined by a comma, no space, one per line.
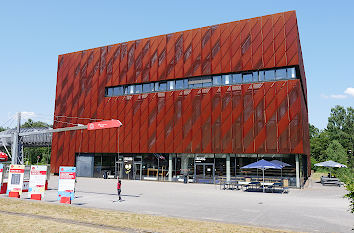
317,176
36,216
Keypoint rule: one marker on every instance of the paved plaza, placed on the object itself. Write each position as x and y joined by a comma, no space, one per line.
314,209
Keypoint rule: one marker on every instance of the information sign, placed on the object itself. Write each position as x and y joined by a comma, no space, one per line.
15,181
38,175
104,125
66,186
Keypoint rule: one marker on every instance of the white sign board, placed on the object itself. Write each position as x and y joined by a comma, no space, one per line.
15,181
38,175
67,176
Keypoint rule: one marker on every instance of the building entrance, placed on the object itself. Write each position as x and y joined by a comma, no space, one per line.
129,169
204,173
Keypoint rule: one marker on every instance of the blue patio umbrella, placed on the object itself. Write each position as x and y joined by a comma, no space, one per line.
263,165
281,163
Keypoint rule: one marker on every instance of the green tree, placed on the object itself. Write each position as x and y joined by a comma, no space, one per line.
335,152
33,124
340,126
2,129
37,154
314,132
318,144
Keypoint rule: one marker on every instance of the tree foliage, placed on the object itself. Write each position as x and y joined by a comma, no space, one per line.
34,124
335,152
341,126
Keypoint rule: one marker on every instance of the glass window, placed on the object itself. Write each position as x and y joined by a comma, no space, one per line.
247,78
162,86
185,84
125,90
118,91
179,84
138,88
110,91
207,84
280,74
255,76
156,86
171,85
147,87
261,76
226,79
106,91
237,78
269,75
291,73
216,80
131,89
198,85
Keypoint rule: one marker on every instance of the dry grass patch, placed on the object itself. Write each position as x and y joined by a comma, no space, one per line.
123,219
10,223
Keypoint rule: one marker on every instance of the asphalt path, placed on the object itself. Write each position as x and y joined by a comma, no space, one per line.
314,209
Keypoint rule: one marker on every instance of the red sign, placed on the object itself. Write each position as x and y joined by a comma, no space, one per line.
17,170
104,125
3,156
36,172
67,175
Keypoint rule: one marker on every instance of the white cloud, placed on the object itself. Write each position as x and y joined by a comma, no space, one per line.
338,96
349,91
27,115
324,96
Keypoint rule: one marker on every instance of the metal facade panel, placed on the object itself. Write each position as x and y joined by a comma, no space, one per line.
250,118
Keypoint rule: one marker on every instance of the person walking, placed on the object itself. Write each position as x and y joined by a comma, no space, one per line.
119,186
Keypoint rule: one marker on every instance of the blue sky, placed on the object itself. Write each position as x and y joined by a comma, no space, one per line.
34,33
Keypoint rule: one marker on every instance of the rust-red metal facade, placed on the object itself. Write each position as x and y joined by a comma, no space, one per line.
268,117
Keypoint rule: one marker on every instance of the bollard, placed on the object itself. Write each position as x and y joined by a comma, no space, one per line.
65,200
14,194
36,197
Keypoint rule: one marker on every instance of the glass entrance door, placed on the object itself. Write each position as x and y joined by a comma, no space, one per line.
137,169
204,173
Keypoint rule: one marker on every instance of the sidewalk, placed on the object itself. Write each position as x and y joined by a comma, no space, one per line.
316,209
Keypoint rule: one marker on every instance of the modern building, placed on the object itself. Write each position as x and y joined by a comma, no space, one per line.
202,102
